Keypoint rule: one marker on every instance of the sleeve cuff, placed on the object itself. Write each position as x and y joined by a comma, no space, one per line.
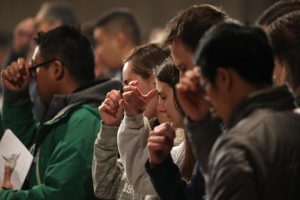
134,122
108,134
13,97
161,168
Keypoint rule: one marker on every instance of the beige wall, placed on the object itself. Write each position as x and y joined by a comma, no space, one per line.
150,12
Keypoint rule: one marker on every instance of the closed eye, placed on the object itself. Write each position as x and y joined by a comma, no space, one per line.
126,82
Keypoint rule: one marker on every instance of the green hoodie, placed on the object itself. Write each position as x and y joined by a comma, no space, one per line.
63,145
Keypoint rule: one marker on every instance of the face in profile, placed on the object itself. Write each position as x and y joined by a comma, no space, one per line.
182,56
106,49
144,85
166,104
44,83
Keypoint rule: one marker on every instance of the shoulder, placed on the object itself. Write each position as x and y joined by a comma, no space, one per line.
258,137
79,122
265,125
83,111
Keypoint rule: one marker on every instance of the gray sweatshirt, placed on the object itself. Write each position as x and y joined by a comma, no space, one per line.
132,142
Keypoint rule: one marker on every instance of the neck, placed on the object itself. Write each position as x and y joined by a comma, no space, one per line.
68,87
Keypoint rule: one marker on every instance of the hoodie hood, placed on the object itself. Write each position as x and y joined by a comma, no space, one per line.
92,93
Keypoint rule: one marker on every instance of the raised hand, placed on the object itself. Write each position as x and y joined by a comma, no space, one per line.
191,96
160,143
110,111
134,102
15,77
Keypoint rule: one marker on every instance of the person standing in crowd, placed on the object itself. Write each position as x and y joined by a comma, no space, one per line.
193,23
63,68
134,129
116,33
109,179
257,156
49,16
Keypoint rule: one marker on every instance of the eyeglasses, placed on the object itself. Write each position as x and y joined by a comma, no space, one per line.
32,69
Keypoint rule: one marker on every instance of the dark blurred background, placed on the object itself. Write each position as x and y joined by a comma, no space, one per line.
150,13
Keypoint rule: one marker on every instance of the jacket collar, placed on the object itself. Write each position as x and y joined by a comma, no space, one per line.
92,93
276,98
297,99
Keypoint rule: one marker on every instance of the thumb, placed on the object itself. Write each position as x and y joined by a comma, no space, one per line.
152,93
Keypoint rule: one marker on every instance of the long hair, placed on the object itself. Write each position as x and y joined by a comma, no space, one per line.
169,74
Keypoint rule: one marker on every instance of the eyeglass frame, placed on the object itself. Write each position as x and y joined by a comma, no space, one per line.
32,69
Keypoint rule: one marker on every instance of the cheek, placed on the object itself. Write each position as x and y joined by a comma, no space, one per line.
211,96
143,86
278,73
41,92
170,108
101,51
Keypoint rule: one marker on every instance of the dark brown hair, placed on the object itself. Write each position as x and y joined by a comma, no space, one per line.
169,74
146,58
190,24
285,38
277,10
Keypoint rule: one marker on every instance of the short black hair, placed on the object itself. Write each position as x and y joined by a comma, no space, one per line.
277,10
70,46
285,38
121,19
63,11
243,48
190,24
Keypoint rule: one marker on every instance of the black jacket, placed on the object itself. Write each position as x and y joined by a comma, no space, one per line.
166,179
258,156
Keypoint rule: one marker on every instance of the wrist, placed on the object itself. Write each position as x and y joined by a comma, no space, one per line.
111,124
152,165
133,113
13,97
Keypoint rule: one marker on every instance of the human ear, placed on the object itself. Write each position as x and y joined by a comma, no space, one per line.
58,70
120,39
224,78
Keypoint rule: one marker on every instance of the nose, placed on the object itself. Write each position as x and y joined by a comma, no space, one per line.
161,106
